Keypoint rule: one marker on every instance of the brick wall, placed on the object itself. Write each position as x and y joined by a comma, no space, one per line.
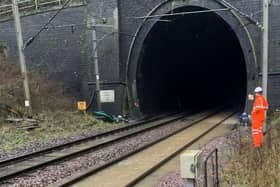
65,53
274,55
130,9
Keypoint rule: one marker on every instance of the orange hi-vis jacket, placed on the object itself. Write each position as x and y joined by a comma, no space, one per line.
258,115
259,108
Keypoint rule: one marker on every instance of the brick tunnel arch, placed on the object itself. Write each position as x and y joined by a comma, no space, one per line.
189,62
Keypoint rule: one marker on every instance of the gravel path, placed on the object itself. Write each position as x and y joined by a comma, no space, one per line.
53,173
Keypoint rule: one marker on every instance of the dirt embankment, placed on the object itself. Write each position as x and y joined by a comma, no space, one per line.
46,95
55,113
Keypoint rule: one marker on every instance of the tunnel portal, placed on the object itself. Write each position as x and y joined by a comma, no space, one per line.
190,62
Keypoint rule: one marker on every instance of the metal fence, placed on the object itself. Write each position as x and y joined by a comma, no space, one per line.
33,6
212,170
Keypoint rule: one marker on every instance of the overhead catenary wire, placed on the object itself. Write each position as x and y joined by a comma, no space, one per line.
30,40
69,26
45,27
180,13
230,7
249,17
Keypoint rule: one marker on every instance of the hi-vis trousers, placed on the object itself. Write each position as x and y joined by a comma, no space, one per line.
257,133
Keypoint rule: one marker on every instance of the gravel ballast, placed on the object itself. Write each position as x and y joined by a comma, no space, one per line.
227,146
54,173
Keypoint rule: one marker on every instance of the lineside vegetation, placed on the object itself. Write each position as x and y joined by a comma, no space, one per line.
256,167
54,110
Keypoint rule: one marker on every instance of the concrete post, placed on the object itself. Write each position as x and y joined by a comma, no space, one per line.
22,56
96,68
265,49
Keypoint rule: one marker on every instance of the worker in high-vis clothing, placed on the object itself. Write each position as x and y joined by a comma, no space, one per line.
258,115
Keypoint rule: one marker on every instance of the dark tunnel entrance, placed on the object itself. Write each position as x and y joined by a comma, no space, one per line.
191,62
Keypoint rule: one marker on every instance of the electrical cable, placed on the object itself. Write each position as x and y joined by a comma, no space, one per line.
93,93
248,17
71,26
91,99
30,40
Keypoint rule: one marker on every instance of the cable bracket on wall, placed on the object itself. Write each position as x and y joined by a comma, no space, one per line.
249,17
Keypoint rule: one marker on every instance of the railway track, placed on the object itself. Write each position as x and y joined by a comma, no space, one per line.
26,163
131,168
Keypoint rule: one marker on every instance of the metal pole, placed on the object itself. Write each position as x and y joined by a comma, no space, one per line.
265,45
21,56
217,168
205,173
265,49
96,69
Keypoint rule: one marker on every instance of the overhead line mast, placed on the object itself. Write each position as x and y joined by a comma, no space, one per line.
265,38
22,56
265,46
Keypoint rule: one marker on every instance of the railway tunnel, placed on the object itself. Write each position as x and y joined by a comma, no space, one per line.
190,62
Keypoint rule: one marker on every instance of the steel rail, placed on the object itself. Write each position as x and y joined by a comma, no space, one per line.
155,167
95,136
79,176
52,154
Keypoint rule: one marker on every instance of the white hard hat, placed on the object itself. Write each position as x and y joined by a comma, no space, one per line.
258,89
